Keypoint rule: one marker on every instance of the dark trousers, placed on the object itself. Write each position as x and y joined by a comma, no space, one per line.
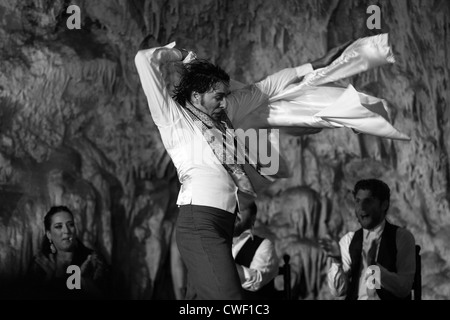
204,238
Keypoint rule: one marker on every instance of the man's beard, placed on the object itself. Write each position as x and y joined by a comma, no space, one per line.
215,116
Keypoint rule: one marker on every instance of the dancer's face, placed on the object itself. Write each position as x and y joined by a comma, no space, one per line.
212,101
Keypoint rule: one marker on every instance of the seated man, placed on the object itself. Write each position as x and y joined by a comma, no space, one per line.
377,244
255,257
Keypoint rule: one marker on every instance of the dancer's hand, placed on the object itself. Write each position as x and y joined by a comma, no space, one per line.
331,55
184,53
187,55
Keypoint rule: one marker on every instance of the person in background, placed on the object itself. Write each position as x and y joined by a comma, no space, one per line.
60,249
255,257
377,244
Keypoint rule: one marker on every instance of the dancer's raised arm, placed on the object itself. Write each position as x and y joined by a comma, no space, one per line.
150,65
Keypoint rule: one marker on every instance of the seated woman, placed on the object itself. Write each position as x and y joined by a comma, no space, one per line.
60,249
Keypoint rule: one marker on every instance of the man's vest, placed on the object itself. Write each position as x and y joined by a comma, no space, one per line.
387,257
244,258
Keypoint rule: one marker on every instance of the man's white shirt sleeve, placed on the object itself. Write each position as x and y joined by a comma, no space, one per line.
338,272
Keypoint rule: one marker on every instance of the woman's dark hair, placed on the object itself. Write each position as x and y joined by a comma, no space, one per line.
45,247
200,76
378,188
54,210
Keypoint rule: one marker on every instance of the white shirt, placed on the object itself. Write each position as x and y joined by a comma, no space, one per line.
264,266
399,283
204,181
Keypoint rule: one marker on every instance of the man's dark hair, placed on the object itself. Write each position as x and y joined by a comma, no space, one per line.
54,210
378,188
200,76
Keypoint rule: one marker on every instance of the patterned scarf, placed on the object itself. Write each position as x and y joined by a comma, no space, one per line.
226,147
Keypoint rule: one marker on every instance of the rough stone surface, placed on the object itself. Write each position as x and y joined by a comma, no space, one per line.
75,129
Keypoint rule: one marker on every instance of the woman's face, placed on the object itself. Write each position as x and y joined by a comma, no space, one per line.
62,231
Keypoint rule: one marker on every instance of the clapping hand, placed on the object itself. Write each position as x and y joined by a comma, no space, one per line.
86,267
331,247
91,268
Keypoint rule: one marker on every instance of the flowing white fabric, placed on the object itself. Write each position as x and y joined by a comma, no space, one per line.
317,102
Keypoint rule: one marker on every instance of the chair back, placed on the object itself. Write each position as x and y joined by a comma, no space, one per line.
285,270
417,285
